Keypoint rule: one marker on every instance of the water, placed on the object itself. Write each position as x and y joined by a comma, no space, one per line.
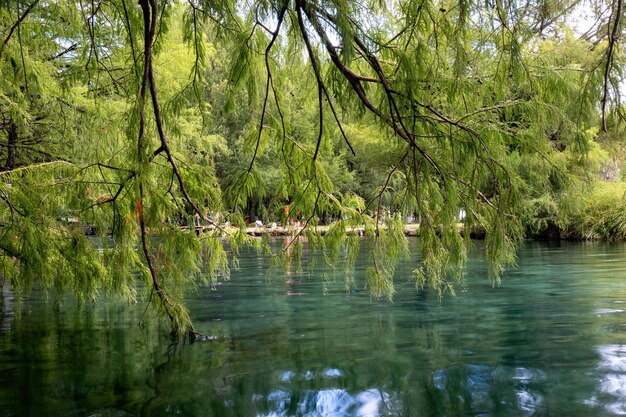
550,341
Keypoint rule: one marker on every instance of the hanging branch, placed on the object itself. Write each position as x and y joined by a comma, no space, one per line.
613,37
320,83
356,80
268,49
268,85
150,6
149,18
19,37
130,37
148,34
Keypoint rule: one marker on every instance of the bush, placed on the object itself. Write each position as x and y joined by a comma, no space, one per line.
599,213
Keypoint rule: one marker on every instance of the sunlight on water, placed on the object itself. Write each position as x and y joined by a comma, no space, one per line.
325,402
480,389
607,311
612,385
329,403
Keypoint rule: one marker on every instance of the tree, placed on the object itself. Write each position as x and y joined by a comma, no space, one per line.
443,105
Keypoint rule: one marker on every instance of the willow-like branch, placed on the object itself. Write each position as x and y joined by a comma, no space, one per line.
17,24
613,37
149,16
268,49
268,86
357,86
321,86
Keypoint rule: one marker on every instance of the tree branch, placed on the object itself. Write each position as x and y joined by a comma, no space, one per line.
17,23
357,87
613,37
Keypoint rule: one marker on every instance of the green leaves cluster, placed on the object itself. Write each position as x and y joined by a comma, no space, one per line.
143,121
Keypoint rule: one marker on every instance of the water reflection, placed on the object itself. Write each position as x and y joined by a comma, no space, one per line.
332,402
291,401
550,341
458,390
485,390
6,307
611,394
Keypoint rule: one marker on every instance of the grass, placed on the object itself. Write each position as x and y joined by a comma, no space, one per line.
595,213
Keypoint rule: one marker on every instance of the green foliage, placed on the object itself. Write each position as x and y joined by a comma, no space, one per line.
391,246
349,114
596,213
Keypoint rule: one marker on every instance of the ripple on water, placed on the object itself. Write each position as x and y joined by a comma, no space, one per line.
603,311
529,402
611,387
109,412
287,376
612,358
502,374
332,373
480,384
326,402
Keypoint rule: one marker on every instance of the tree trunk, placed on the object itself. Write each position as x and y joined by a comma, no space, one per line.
11,146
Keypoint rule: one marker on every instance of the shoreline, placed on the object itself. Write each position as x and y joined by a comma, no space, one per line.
409,230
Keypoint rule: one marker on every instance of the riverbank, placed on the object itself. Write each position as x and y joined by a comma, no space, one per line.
593,212
411,229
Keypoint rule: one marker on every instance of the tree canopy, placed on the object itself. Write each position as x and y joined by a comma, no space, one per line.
137,119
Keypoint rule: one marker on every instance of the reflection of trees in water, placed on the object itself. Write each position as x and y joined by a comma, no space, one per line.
485,389
7,309
458,390
190,380
498,352
72,360
325,402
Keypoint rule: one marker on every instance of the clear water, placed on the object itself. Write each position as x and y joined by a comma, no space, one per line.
550,341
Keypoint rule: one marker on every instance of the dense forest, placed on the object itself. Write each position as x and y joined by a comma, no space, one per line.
136,120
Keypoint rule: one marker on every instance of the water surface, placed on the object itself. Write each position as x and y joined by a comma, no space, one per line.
550,341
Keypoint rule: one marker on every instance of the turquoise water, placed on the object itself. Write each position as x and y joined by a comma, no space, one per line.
550,341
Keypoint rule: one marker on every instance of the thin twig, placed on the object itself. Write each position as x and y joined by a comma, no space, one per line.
17,24
613,38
